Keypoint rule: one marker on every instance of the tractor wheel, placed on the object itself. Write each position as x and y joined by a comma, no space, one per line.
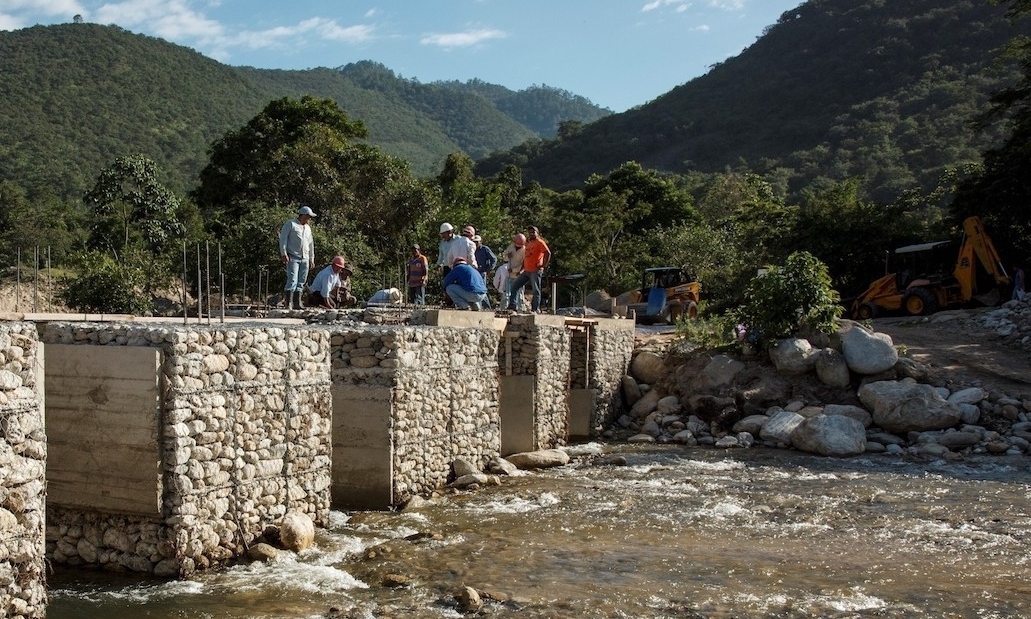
919,302
672,313
691,311
866,311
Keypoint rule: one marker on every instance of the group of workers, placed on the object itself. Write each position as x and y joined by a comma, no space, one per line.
466,264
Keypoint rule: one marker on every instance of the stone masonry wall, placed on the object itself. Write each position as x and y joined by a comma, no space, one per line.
443,390
22,465
542,351
610,353
245,431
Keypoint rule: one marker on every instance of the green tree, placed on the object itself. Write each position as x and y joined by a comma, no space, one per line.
1000,194
786,298
130,209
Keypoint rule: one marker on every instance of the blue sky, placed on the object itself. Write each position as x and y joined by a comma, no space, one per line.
617,53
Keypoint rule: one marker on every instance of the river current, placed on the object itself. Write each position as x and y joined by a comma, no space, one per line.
644,532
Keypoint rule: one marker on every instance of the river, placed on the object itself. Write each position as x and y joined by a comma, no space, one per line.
691,534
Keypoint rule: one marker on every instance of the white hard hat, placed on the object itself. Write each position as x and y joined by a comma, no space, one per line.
446,227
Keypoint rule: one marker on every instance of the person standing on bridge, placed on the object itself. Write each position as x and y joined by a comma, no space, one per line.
536,259
297,251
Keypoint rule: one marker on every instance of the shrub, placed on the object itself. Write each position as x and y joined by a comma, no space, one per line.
107,286
782,300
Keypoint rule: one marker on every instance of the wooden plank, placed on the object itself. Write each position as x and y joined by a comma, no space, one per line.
103,411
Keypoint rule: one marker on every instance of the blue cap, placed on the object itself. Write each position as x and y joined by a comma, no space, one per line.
306,210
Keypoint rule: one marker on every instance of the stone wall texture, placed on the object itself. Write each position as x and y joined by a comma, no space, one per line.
611,350
245,437
22,466
443,396
543,351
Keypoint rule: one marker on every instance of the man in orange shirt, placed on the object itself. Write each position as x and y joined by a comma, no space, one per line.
535,260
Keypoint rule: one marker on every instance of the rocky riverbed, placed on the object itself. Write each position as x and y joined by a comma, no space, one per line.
963,388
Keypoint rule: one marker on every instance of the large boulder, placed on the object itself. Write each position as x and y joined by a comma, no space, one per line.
792,356
542,459
832,369
648,367
296,531
646,405
631,390
780,427
720,372
858,413
830,435
903,407
868,353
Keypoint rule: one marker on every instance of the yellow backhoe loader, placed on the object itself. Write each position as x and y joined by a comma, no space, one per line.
919,286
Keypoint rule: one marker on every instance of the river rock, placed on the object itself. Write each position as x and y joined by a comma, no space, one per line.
719,372
9,381
262,552
780,426
971,395
830,435
297,531
902,407
669,405
500,466
463,467
832,369
469,600
472,479
847,410
868,353
646,405
792,356
752,424
631,390
542,459
648,367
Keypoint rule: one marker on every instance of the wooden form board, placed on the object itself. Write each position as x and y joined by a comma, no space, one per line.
103,415
363,455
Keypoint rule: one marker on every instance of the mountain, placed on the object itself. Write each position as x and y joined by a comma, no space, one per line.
879,90
76,96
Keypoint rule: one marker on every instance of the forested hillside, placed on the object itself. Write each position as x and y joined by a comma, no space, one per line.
76,96
881,91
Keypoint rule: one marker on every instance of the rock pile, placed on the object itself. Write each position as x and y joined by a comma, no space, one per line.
22,466
1011,322
852,396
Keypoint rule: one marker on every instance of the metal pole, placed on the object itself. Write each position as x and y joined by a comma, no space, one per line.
207,275
50,283
17,290
35,279
245,288
258,304
221,284
200,289
185,320
554,298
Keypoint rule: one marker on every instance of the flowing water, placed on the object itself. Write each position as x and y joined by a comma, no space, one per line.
672,533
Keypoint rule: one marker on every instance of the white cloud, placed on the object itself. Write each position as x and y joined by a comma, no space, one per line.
728,5
16,14
462,39
174,20
678,5
701,28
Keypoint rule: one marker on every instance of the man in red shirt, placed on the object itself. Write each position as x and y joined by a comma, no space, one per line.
535,260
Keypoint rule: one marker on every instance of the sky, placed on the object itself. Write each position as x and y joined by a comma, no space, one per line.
617,53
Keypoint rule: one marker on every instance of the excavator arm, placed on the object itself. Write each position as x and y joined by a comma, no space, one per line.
977,246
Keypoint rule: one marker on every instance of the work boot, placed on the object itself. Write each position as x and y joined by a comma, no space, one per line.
299,301
474,307
288,299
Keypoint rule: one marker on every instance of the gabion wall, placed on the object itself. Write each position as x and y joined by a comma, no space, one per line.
611,350
541,350
443,396
22,464
245,430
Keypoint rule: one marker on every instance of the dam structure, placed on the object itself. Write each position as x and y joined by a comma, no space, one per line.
164,447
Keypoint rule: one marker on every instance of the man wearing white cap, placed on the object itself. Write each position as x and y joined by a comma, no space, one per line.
297,251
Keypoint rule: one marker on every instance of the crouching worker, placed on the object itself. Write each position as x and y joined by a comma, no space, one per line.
465,286
331,287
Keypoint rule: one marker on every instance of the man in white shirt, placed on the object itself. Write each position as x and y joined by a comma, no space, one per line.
297,251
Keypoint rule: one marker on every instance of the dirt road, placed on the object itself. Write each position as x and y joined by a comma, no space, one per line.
960,352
